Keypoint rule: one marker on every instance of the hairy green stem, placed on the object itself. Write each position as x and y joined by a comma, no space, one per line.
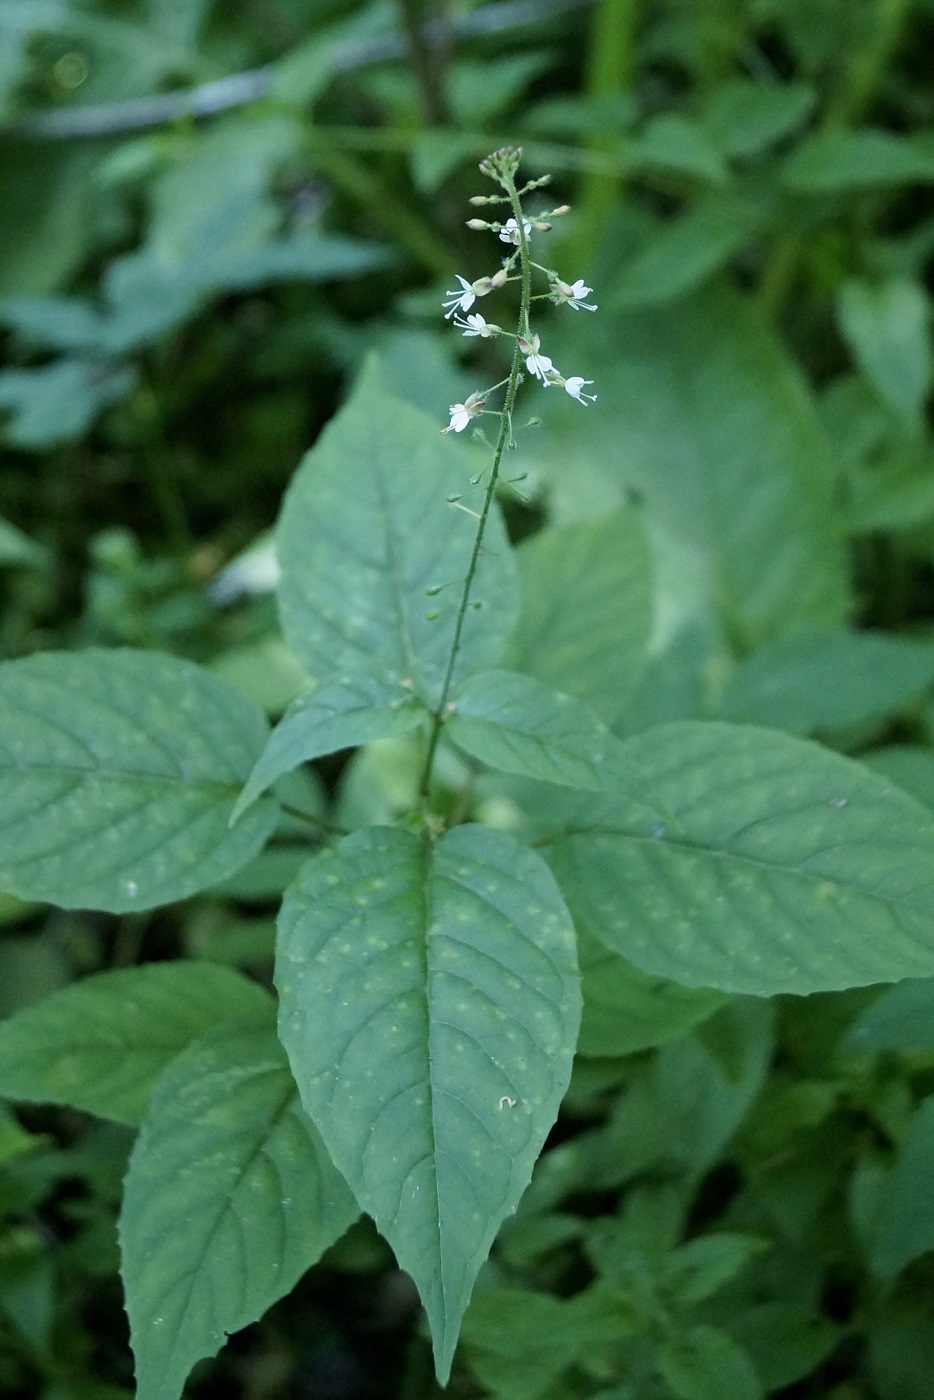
505,436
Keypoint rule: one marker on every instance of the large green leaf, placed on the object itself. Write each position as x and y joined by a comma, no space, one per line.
513,723
586,608
118,774
768,865
340,715
230,1196
703,414
100,1044
365,537
430,1003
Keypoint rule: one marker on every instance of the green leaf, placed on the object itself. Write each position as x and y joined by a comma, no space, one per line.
513,723
901,1018
676,143
100,1044
230,1197
702,1266
785,1340
704,1363
902,1225
118,773
548,1333
56,323
430,1004
908,767
17,548
686,252
768,865
828,680
745,117
711,424
586,608
625,1010
366,530
60,400
887,327
838,162
684,1103
341,715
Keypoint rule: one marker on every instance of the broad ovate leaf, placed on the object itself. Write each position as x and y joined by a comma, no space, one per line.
429,1003
768,865
516,724
101,1044
118,774
230,1197
331,717
367,535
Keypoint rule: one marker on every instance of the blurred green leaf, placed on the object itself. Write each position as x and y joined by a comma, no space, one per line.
887,327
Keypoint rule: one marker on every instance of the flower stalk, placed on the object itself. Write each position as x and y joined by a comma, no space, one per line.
502,167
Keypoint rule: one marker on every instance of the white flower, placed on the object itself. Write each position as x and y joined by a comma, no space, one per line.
461,413
464,299
539,365
575,387
573,295
509,233
476,325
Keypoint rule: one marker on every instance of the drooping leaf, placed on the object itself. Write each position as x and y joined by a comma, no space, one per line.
340,715
100,1044
429,1005
230,1196
518,725
366,530
769,865
586,608
822,680
118,773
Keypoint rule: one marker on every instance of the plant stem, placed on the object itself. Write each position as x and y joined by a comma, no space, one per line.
505,435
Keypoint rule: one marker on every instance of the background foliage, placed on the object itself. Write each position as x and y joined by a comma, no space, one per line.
185,302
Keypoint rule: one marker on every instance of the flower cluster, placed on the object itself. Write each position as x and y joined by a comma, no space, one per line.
517,232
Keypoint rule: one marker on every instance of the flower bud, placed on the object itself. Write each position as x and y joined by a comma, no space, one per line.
561,210
500,278
541,226
478,224
478,199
